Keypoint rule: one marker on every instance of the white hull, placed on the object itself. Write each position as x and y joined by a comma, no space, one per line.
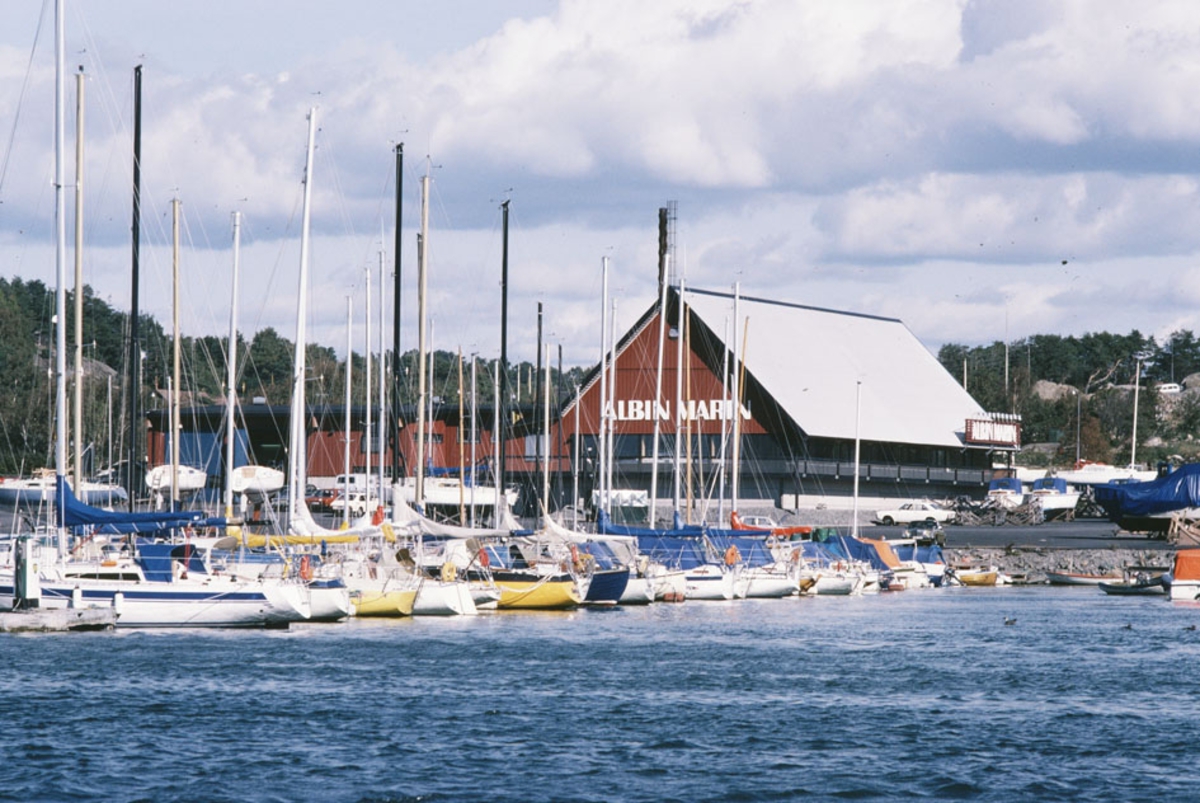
159,478
764,584
639,591
213,602
1185,590
834,585
328,603
711,583
669,584
441,598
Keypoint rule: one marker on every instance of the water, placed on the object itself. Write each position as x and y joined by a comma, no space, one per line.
895,696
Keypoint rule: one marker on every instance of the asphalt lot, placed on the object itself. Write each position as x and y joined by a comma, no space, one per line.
1084,534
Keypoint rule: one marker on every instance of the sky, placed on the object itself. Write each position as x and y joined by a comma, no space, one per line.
983,170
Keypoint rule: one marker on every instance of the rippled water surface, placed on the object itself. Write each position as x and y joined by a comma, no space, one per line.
916,694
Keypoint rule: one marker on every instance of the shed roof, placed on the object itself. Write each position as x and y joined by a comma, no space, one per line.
810,360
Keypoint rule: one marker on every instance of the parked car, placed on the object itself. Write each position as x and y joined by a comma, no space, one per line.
320,499
356,501
920,510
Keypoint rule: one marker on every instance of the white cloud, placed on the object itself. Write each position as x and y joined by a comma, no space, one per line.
929,160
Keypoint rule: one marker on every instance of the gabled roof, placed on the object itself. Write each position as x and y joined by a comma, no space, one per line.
810,361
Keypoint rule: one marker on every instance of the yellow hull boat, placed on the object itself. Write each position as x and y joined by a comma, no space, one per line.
519,591
384,603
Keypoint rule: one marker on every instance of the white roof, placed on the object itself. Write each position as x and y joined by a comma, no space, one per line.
810,360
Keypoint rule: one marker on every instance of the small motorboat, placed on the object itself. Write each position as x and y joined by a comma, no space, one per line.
1148,587
977,577
1138,581
1071,579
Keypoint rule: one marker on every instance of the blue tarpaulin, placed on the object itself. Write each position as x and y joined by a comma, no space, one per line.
1175,491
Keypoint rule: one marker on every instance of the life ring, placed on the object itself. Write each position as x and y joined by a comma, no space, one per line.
306,571
484,560
795,556
449,572
732,556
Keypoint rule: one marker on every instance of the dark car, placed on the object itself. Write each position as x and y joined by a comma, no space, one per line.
926,533
320,499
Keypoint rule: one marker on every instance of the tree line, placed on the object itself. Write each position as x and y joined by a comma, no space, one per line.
1088,410
265,365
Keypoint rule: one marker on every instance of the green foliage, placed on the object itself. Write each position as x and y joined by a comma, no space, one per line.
1103,367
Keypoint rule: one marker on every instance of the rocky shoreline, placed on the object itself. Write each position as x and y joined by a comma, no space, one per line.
1031,565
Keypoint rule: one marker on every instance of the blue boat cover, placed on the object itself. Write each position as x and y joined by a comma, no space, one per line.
1006,484
1175,491
1057,484
753,549
81,517
602,553
677,552
605,525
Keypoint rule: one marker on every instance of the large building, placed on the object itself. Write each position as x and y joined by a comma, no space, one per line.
814,384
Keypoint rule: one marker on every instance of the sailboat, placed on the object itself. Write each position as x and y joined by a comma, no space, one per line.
168,584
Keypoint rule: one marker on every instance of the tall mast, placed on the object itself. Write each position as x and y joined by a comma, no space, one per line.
602,445
422,283
394,427
679,396
60,274
736,394
176,428
546,430
612,405
78,400
298,436
367,388
383,403
231,368
349,402
857,452
474,433
132,475
662,326
536,385
502,391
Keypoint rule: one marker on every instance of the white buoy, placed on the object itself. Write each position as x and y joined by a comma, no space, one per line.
76,597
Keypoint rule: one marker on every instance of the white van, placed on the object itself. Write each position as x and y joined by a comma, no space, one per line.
1169,387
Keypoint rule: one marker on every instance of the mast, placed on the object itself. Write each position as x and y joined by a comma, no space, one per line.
394,427
132,475
383,404
502,393
857,443
546,429
422,283
462,495
575,467
736,395
367,388
176,427
662,328
78,400
349,402
678,394
298,452
537,398
231,368
602,446
474,433
60,274
612,395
